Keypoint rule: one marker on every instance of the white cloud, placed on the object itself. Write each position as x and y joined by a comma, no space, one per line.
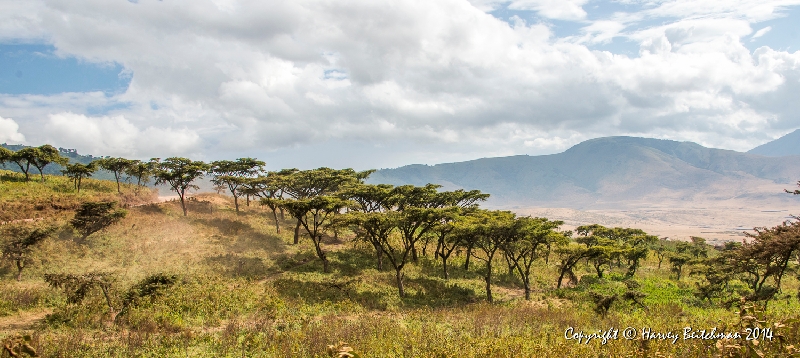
761,32
437,80
116,136
9,131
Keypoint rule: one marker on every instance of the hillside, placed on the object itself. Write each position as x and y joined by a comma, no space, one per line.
232,286
783,146
612,172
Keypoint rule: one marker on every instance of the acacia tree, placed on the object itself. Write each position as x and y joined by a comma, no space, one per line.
117,165
417,204
449,237
78,171
92,217
270,186
462,202
609,245
45,155
532,235
5,155
306,184
602,247
77,287
381,211
313,214
140,170
234,174
570,253
491,232
179,173
767,257
24,158
21,239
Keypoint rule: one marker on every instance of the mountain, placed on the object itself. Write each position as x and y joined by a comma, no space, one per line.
609,172
783,146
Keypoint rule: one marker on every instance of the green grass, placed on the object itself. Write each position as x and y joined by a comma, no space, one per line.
245,291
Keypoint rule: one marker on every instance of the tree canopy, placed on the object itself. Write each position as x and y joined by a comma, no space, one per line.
179,173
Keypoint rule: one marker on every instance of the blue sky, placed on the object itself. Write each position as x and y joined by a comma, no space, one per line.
381,84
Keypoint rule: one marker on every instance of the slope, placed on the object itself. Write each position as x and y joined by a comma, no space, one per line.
783,146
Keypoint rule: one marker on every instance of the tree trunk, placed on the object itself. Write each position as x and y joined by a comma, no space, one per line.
277,226
510,264
379,254
20,266
414,253
561,277
236,202
598,269
399,277
489,282
183,203
444,267
282,217
111,311
466,262
321,254
526,281
297,232
116,176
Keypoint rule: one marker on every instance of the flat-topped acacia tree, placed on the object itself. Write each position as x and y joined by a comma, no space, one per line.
270,186
313,215
234,174
306,184
46,155
117,165
179,173
21,239
140,170
78,171
5,155
534,239
38,157
24,158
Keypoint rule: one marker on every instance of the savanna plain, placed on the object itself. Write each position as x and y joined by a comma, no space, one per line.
269,277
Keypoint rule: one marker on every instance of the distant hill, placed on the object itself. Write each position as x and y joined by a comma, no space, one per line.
783,146
609,172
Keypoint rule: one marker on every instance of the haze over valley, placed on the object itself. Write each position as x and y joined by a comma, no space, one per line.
669,188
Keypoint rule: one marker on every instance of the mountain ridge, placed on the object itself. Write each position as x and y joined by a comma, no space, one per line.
609,169
786,145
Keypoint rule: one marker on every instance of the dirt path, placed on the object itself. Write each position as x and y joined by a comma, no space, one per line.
22,320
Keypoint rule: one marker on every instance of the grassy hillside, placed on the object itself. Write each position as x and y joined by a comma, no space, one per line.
57,196
240,289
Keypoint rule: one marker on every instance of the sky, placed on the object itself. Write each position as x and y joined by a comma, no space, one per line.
381,84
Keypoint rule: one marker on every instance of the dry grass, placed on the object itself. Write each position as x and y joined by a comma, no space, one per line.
245,291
